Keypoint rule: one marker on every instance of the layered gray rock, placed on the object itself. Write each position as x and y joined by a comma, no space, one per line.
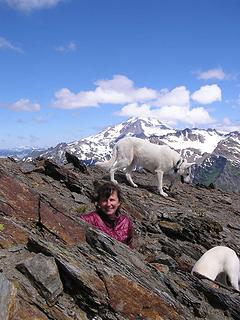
43,273
65,269
8,292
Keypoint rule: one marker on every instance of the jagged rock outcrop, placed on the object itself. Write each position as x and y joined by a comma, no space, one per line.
55,266
71,158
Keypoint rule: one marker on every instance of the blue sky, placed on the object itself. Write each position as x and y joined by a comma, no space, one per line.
70,68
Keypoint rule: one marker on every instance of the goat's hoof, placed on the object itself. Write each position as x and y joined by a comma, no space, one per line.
164,194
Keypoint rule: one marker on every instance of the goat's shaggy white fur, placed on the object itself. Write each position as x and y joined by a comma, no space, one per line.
131,152
218,260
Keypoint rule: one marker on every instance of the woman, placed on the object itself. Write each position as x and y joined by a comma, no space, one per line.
107,216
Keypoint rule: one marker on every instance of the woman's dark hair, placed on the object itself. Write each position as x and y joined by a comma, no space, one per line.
104,191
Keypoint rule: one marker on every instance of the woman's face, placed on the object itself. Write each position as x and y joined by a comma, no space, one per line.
110,205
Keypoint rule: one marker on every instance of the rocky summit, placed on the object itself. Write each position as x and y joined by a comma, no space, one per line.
54,266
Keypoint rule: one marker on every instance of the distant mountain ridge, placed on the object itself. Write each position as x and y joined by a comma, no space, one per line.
204,147
99,146
19,153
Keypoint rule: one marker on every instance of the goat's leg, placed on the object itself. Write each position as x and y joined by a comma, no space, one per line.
160,179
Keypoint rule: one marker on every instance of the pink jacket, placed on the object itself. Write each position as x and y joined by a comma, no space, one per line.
121,229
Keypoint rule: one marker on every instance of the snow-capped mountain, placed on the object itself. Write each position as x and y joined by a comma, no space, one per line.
216,154
192,143
99,146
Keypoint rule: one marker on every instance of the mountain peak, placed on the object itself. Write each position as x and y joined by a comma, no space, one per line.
149,122
192,143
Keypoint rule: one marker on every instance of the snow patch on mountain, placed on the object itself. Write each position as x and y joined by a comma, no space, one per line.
194,144
199,139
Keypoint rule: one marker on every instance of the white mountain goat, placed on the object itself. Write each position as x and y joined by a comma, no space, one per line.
131,152
219,260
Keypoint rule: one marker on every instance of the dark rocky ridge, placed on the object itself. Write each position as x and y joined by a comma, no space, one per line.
222,167
53,266
219,171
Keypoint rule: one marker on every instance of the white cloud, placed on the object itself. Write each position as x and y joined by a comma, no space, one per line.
171,106
7,45
30,5
134,110
119,90
207,94
217,73
70,47
179,96
24,105
117,83
169,114
197,116
65,99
